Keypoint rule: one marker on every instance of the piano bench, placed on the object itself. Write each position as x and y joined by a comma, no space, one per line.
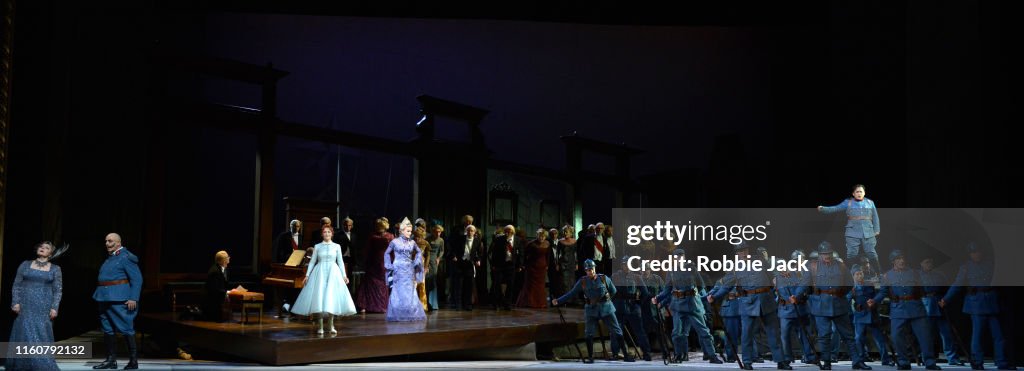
258,306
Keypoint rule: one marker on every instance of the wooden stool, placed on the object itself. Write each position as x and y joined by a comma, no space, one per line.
246,301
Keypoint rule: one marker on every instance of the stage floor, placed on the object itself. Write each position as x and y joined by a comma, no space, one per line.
277,342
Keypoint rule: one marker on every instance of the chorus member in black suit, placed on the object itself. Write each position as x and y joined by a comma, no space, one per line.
464,256
288,241
505,259
347,240
586,248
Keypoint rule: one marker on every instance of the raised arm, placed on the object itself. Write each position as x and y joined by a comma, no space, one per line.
834,209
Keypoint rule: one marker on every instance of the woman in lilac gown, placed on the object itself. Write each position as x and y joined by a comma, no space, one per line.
372,295
405,269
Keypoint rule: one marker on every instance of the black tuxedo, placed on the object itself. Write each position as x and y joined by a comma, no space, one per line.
503,269
216,292
284,245
584,250
461,270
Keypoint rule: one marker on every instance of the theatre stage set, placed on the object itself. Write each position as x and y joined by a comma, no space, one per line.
478,334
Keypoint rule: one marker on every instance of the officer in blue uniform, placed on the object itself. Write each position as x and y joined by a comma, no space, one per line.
935,284
861,224
629,291
792,289
117,294
757,302
865,317
829,305
982,304
681,293
598,290
903,286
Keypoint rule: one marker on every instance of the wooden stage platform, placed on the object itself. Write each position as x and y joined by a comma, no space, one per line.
277,342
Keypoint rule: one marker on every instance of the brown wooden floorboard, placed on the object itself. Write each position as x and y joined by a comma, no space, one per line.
277,342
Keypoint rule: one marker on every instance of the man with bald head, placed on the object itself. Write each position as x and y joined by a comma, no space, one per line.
117,294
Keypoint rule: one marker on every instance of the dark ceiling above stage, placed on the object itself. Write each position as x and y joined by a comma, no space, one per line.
683,13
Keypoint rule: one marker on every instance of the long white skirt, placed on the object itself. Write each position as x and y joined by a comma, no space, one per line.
325,292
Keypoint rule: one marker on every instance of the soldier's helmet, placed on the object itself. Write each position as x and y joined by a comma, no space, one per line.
679,251
589,264
736,247
855,268
895,254
625,259
796,253
761,250
813,255
824,248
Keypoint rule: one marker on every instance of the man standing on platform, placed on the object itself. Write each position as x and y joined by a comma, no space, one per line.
117,293
862,226
598,290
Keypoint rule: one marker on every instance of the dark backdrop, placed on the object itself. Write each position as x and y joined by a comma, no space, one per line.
782,105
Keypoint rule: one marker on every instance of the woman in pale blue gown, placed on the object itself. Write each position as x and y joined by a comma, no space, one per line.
35,299
324,291
405,270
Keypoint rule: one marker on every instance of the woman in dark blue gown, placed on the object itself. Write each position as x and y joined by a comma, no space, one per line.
35,299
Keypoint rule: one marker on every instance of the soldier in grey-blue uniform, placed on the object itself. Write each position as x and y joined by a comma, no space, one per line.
681,292
757,303
598,290
903,286
730,312
629,291
935,286
862,224
117,294
792,289
982,304
829,305
865,317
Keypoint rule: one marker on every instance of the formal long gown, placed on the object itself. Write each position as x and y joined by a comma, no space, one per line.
533,294
325,291
434,279
37,292
406,270
373,289
568,261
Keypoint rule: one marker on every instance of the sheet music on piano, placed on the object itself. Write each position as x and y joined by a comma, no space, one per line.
296,258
